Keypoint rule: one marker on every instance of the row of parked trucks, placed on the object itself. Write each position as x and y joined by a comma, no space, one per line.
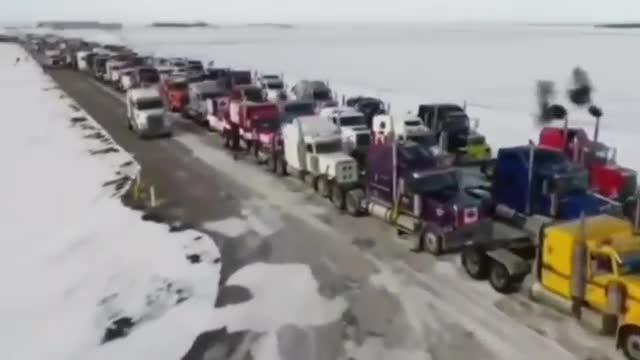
561,212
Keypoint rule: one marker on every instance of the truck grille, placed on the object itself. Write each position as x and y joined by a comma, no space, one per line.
155,123
363,139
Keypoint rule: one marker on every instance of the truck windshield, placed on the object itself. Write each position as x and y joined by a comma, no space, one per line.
300,109
178,86
149,76
241,77
352,120
149,104
326,147
429,182
269,124
476,140
196,66
321,95
427,140
572,183
630,264
254,95
275,85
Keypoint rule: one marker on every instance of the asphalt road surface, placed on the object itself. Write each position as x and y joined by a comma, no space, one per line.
407,301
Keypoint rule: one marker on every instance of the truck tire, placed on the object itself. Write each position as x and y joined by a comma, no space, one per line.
475,262
281,166
499,278
337,197
430,241
352,202
630,343
323,186
311,180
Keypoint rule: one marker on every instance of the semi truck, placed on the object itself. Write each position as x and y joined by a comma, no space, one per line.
312,148
146,114
356,136
408,187
606,176
589,268
456,133
176,93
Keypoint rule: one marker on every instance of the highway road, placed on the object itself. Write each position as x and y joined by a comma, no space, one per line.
412,303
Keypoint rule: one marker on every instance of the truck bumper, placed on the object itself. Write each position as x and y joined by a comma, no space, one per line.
479,232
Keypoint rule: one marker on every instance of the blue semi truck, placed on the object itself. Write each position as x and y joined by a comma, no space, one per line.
532,180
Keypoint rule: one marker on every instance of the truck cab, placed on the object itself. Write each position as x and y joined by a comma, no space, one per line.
240,78
146,76
554,187
431,202
146,113
405,128
293,108
176,92
195,69
317,91
312,147
273,85
607,178
369,106
202,100
455,132
590,268
356,137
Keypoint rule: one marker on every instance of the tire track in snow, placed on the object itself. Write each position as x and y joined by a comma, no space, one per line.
509,338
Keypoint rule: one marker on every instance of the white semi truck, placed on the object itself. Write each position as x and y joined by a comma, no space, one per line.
312,148
146,113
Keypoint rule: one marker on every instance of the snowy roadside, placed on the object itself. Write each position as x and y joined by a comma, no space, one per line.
78,267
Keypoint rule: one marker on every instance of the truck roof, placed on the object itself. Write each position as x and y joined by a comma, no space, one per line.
315,125
602,231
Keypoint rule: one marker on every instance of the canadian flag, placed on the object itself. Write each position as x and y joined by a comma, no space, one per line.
470,215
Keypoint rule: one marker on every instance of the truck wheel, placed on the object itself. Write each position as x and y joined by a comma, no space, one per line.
337,197
272,165
630,343
431,242
281,166
499,278
323,186
311,180
475,262
353,201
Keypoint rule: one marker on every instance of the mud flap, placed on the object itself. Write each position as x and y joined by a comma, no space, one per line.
515,265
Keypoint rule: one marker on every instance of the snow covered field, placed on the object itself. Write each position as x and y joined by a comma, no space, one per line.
492,67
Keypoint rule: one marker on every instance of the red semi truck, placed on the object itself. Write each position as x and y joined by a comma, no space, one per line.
251,121
606,177
175,91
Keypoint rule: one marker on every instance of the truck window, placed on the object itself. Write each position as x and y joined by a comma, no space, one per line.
321,94
630,264
352,120
600,264
268,124
275,85
327,147
149,104
577,182
429,182
178,86
254,95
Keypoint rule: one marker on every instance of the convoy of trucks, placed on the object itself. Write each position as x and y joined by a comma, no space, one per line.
551,212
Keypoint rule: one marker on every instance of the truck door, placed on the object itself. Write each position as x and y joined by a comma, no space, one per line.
380,173
600,273
511,178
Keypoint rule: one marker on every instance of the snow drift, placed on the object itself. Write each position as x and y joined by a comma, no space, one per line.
79,268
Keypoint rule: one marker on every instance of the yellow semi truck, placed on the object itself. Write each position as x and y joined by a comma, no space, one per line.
591,268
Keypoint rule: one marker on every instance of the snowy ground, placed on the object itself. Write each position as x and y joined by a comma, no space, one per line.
76,262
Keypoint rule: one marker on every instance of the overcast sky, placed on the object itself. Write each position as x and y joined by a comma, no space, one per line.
229,11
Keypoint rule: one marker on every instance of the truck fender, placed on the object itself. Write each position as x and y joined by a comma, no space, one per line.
516,266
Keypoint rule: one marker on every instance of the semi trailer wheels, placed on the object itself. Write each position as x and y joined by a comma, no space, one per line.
352,202
431,242
323,186
337,197
630,342
475,263
500,279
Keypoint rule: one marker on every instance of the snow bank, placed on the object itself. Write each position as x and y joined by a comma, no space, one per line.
75,261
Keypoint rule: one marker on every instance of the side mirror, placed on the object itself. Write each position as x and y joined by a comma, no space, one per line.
475,123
